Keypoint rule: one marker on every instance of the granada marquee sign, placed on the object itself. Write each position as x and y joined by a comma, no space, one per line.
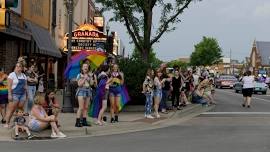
86,37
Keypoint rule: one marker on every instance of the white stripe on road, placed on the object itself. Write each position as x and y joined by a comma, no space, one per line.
236,113
241,95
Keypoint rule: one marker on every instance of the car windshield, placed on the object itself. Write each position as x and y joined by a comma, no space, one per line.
228,77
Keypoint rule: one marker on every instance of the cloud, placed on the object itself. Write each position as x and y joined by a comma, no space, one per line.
262,11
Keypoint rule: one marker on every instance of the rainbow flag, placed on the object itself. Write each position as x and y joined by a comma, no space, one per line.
124,98
3,91
96,104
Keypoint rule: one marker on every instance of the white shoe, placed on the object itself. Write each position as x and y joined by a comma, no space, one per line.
53,135
149,117
61,135
6,126
158,116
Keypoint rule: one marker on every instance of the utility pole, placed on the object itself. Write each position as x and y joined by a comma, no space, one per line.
230,61
67,106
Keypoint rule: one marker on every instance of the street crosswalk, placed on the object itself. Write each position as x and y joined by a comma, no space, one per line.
235,114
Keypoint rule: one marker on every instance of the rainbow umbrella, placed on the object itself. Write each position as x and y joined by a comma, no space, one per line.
96,58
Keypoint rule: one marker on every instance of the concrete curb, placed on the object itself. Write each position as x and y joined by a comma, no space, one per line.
132,125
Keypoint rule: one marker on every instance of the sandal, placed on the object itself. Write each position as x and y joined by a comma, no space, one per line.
99,123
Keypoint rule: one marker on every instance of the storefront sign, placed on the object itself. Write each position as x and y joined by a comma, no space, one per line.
87,37
37,11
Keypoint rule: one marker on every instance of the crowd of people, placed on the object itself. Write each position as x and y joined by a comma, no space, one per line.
19,99
179,86
35,109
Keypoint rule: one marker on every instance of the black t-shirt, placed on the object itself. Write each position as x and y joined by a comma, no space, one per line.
167,84
176,83
31,75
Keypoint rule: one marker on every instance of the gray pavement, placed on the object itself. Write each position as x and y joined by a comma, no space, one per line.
229,101
228,127
129,122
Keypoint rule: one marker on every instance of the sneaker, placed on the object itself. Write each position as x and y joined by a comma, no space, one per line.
149,117
164,112
112,120
104,118
30,136
179,108
16,137
53,135
6,126
3,121
61,135
157,116
116,118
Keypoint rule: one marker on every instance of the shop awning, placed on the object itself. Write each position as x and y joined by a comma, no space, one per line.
44,41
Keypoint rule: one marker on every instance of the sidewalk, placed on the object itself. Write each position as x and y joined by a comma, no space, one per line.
128,122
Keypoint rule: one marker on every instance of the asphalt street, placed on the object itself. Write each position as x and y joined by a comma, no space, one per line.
227,128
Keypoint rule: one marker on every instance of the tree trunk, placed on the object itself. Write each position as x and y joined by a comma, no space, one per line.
147,30
145,55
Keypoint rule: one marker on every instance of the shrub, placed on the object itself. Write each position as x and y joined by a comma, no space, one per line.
134,75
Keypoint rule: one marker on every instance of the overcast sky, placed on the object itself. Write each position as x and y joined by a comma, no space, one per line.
234,23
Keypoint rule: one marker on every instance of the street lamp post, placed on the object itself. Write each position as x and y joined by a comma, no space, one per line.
107,40
67,106
107,44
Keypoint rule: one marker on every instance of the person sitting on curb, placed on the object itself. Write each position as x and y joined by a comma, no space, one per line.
19,122
197,95
51,105
39,120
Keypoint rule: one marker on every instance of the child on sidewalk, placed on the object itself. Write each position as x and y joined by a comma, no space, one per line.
20,124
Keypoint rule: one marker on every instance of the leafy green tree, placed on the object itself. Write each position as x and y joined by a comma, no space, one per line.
177,63
137,15
153,61
134,70
207,52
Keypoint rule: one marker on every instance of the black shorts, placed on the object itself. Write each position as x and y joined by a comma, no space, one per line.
247,92
106,94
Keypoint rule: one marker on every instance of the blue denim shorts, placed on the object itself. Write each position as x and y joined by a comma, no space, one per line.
34,126
158,93
115,91
18,97
85,92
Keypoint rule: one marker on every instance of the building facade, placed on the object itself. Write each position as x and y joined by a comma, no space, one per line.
29,35
13,39
83,12
260,56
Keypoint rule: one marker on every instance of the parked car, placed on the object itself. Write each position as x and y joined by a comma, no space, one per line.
225,81
259,87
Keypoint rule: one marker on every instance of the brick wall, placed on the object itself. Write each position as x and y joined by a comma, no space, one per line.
9,51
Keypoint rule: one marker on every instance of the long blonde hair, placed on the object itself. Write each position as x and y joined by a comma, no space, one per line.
38,99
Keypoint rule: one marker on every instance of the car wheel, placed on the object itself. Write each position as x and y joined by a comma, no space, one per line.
236,91
264,92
